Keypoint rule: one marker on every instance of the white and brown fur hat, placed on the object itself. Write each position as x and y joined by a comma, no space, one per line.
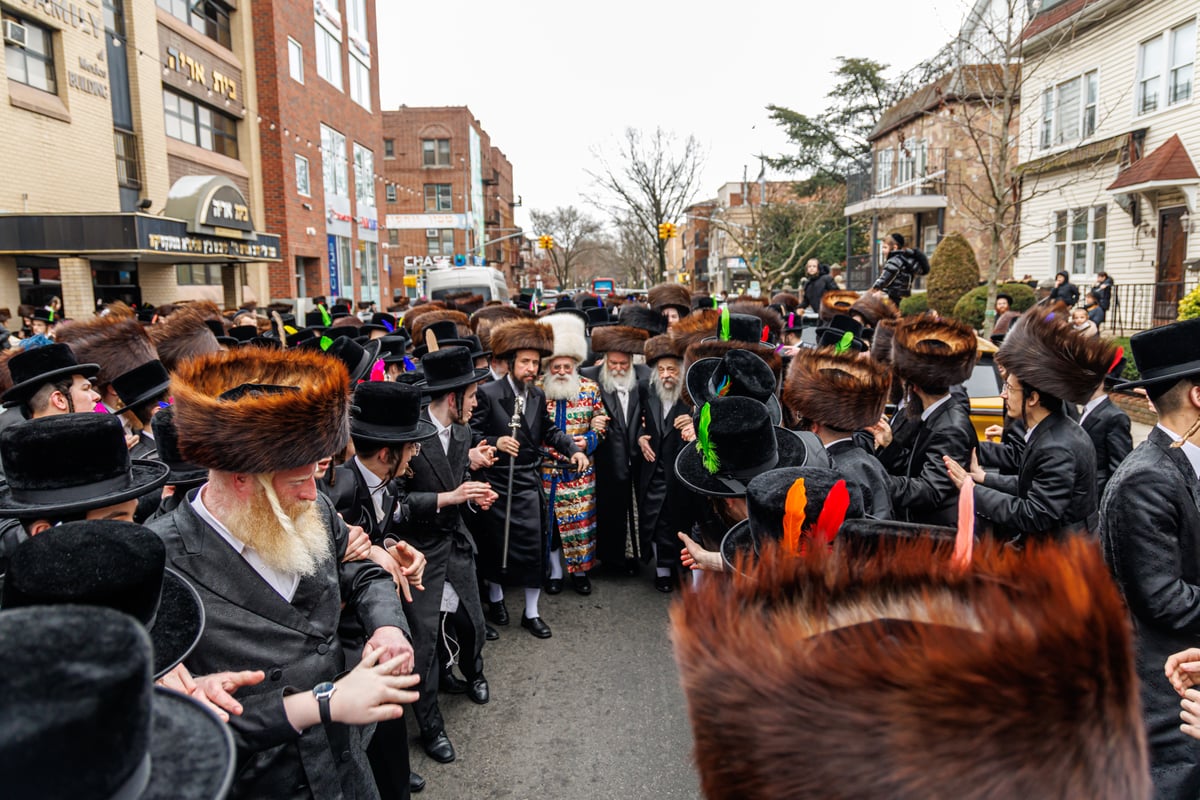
844,391
522,334
570,336
897,674
933,353
255,410
1043,350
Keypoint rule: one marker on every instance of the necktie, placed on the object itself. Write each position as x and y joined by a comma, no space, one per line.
444,435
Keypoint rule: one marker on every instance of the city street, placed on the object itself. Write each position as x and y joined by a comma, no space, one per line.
596,711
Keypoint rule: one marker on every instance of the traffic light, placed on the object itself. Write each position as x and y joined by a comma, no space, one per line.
546,242
667,230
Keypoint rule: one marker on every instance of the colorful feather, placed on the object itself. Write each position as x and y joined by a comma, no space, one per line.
409,366
724,334
326,342
50,316
833,513
708,452
844,343
387,326
379,371
289,330
723,386
766,333
794,516
792,320
715,303
964,541
326,320
1117,358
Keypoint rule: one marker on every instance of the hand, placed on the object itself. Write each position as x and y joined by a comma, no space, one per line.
373,692
580,462
1183,669
358,544
509,445
482,455
411,561
392,567
694,556
488,500
217,689
994,431
788,350
391,643
600,423
647,450
958,474
683,424
473,491
1190,713
882,432
131,440
580,442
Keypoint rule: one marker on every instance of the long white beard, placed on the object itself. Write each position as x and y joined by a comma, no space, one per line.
667,397
561,387
291,539
616,383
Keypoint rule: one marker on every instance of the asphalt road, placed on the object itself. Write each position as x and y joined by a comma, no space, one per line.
594,712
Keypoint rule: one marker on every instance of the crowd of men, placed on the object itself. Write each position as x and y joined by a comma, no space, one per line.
277,543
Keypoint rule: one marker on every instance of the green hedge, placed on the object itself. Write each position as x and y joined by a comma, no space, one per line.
970,306
953,272
914,304
1189,306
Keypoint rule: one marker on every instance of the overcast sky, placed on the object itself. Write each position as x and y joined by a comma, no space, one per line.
551,82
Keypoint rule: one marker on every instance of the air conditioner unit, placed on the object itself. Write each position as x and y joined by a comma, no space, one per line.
15,33
431,233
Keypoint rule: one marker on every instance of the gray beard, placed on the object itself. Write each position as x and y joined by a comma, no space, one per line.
668,397
616,383
556,389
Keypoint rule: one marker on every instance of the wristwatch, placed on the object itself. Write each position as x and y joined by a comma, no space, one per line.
323,692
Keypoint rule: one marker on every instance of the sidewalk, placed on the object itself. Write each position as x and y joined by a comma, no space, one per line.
1139,431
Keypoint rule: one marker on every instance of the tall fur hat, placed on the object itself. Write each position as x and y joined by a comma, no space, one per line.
636,316
670,294
836,302
414,313
1044,351
892,673
768,316
186,334
485,319
466,302
300,414
522,334
661,346
423,321
700,324
570,337
618,339
881,341
873,308
845,392
117,344
786,300
933,353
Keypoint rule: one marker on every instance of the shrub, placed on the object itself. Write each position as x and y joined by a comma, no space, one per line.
970,306
1189,306
953,271
914,304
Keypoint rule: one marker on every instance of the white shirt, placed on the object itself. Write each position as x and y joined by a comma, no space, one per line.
929,411
443,432
1090,406
1190,450
284,583
847,439
375,481
623,396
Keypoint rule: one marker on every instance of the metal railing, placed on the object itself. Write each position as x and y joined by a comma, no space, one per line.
1138,306
916,172
860,272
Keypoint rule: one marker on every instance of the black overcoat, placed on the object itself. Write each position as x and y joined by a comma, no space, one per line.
923,492
864,469
1108,428
658,488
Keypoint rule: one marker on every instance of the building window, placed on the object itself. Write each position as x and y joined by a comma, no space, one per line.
329,57
191,122
1165,67
1069,110
389,148
1079,239
198,274
883,169
295,60
391,192
33,64
209,17
360,82
393,237
912,161
435,152
364,176
441,243
125,145
302,184
356,16
333,162
437,197
368,268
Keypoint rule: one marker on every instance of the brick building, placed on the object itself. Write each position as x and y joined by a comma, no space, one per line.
448,192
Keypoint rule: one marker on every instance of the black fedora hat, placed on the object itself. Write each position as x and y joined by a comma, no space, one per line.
1163,355
388,413
109,563
738,373
34,368
339,310
393,348
766,503
81,717
381,321
472,343
834,334
793,322
443,330
218,330
243,333
740,328
297,337
735,441
565,305
450,368
182,474
319,317
863,535
598,317
140,384
358,358
99,472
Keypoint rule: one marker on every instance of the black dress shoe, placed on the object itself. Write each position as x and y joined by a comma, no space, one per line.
665,584
439,748
490,633
581,583
535,626
415,782
632,567
450,683
479,692
497,612
554,586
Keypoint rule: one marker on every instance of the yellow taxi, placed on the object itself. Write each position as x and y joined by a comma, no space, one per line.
983,387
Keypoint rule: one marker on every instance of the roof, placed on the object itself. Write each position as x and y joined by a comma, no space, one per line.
1092,153
971,82
1169,163
1052,16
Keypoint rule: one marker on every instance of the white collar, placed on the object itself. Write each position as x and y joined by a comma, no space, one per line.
927,413
284,583
1090,406
437,423
375,483
839,441
1190,450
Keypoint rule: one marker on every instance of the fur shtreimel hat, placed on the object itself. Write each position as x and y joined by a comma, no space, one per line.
845,392
933,353
874,307
881,341
570,336
117,344
661,346
900,674
701,324
487,318
522,334
463,328
836,302
186,334
1045,352
416,312
618,339
670,295
255,410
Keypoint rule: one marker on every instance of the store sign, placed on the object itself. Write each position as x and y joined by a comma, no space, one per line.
265,248
226,208
333,265
76,15
208,76
412,222
426,262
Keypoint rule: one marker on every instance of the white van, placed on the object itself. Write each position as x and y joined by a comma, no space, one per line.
485,281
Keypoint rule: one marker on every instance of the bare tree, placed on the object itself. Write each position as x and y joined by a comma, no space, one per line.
575,235
651,180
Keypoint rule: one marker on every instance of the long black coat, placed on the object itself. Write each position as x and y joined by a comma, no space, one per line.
248,625
449,556
1150,529
864,469
658,488
923,491
1053,494
527,542
1108,428
351,496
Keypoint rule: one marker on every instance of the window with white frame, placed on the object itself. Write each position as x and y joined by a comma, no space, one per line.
360,82
442,244
1165,68
390,189
33,62
1069,110
329,57
364,176
302,184
438,197
295,60
912,160
333,162
883,169
356,16
1079,240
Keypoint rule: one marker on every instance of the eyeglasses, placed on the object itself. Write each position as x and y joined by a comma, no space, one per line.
1009,389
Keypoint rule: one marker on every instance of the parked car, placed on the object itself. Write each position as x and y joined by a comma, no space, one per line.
983,387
